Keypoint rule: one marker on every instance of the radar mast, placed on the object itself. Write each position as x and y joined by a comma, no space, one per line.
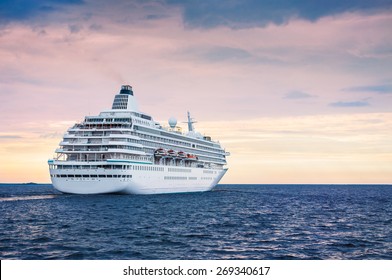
190,122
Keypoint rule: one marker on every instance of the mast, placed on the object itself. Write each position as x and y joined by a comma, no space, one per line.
190,122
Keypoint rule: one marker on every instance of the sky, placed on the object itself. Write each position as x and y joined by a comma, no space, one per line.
297,91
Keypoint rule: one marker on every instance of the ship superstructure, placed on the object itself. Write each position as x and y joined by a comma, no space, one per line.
124,150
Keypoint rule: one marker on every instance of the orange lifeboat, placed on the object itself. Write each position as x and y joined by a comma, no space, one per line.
191,157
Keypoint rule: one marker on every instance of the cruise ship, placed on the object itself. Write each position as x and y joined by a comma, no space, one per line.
123,150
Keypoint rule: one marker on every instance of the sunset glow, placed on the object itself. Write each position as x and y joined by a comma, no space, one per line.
303,96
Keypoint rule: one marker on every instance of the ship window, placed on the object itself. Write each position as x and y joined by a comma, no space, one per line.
120,102
145,117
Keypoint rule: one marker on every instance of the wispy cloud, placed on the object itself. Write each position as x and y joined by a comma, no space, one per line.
251,13
4,136
328,148
52,135
24,10
203,13
381,89
297,95
225,53
75,28
156,16
62,60
349,104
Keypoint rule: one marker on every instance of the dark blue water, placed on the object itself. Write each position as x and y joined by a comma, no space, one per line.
231,222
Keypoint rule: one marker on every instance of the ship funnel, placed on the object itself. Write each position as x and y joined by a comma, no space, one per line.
125,100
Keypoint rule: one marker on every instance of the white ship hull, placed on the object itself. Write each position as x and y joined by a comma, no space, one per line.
171,179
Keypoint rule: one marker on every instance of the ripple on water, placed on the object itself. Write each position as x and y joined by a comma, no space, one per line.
233,222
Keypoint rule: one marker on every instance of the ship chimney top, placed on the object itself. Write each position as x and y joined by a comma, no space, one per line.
126,89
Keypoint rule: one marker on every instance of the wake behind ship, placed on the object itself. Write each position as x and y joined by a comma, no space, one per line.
123,150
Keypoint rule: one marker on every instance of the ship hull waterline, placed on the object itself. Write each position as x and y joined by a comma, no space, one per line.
136,185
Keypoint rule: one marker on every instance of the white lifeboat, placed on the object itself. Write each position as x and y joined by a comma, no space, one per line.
160,152
181,154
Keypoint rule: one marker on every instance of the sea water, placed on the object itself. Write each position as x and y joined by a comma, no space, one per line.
231,222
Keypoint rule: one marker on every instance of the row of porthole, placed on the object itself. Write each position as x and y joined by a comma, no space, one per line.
90,176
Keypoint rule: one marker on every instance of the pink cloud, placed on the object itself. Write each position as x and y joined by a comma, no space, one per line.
71,63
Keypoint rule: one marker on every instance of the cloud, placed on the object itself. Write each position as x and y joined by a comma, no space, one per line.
156,16
251,13
75,28
381,89
95,27
52,135
198,13
298,95
246,71
229,54
328,148
225,53
68,59
349,104
11,10
10,137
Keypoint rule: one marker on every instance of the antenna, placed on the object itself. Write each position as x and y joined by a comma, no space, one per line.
190,122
